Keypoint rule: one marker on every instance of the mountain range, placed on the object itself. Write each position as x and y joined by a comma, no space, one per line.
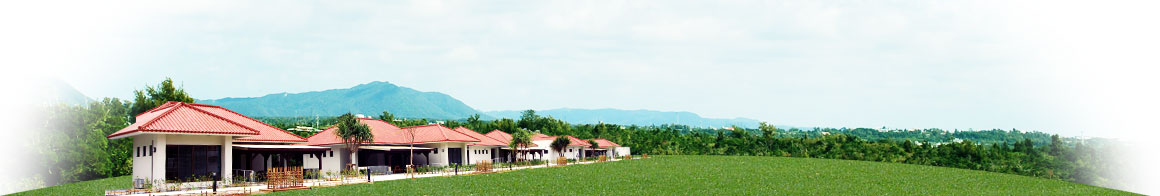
369,99
375,97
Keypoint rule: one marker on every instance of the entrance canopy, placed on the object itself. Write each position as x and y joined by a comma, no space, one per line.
281,148
393,148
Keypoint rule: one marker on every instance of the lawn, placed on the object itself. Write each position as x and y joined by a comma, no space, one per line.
92,187
726,175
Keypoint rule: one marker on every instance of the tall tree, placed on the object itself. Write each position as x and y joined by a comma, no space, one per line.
154,96
353,134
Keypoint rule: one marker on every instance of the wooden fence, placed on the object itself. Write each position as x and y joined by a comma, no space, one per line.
283,178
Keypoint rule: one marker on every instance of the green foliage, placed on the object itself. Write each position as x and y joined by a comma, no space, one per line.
74,143
560,143
521,139
353,133
154,96
727,175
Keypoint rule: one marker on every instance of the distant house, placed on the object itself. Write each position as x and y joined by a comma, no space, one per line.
303,128
391,146
575,148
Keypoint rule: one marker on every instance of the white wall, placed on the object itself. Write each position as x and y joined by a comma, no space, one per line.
441,157
153,167
478,153
621,151
438,156
144,166
329,163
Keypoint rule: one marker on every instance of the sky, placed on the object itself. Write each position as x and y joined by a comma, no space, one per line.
1073,68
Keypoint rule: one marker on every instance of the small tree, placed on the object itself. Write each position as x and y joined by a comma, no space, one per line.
153,96
592,144
559,144
521,138
353,134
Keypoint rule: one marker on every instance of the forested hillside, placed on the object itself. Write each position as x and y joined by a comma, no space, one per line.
370,98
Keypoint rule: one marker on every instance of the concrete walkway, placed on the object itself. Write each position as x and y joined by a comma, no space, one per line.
324,183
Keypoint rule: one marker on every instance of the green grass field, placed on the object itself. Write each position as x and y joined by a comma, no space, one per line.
92,187
695,175
726,175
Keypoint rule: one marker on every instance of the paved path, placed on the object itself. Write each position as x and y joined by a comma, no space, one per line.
319,183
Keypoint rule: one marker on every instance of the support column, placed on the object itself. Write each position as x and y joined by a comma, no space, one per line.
227,158
159,144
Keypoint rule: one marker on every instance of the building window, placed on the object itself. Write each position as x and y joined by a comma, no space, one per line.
186,162
331,153
138,152
150,150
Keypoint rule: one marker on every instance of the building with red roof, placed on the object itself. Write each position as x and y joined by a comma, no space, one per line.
574,150
206,139
391,146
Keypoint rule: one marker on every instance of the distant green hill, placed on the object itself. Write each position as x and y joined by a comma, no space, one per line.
626,117
369,99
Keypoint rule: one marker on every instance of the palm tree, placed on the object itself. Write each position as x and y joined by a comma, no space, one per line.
353,134
559,144
521,138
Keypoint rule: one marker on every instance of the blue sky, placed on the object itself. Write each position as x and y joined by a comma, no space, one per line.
1059,67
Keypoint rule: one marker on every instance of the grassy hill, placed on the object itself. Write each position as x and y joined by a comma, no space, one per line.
727,175
695,175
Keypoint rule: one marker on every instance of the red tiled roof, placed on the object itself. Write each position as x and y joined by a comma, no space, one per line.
540,136
605,143
387,133
578,142
178,117
266,132
483,139
499,135
504,137
574,141
380,130
434,133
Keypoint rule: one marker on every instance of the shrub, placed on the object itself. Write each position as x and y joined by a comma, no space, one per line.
644,156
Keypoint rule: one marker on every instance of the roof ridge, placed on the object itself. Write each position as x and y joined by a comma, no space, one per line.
168,104
259,122
381,120
151,121
468,135
316,134
224,119
445,133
